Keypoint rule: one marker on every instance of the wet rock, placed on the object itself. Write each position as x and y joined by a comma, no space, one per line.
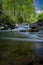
40,22
25,60
34,26
23,31
33,30
37,26
38,60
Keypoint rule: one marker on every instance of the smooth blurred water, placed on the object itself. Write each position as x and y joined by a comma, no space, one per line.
35,39
38,36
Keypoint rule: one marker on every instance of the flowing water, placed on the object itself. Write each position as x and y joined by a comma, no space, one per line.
31,42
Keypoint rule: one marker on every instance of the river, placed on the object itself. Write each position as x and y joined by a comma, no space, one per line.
10,39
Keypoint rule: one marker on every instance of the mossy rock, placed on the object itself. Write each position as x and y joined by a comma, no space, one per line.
34,30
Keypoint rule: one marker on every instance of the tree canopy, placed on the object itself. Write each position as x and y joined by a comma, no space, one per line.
15,9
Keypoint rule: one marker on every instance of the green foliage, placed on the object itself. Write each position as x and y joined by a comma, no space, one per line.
40,16
24,9
0,7
20,20
16,9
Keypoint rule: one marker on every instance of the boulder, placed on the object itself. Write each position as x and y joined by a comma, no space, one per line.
33,30
34,26
40,22
37,26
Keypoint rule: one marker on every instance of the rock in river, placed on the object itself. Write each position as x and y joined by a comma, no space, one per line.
37,26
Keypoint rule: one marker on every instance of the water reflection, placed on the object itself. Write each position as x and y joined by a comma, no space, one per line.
38,49
16,44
